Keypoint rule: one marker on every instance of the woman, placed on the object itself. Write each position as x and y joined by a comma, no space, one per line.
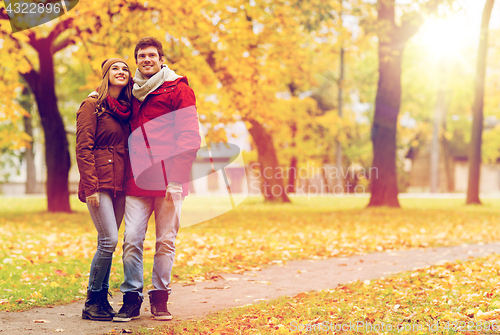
101,152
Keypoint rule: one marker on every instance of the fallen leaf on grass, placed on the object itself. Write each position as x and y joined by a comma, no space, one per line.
488,315
301,295
261,282
401,230
60,273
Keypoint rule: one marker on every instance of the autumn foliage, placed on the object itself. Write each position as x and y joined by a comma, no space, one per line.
43,256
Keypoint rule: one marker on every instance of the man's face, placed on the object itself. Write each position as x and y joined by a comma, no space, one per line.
148,61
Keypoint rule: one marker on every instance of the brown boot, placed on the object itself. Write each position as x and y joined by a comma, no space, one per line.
158,301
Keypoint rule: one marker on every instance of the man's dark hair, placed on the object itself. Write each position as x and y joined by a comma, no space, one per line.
148,42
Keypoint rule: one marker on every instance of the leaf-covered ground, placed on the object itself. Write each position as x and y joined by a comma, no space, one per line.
454,298
45,257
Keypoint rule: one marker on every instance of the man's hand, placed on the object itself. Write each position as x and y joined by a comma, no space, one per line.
93,199
173,196
174,191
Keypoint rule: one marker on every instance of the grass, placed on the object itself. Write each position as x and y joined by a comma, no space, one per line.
453,298
45,257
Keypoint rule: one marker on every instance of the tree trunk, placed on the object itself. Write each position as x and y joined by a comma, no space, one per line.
435,144
272,174
449,166
384,187
30,159
338,151
338,145
292,172
57,156
26,101
392,41
477,109
292,175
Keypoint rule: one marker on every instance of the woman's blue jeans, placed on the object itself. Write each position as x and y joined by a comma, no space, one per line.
107,220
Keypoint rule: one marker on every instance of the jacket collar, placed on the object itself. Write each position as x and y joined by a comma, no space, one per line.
168,84
162,87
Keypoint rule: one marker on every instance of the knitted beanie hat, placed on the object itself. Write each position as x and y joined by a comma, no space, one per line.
107,64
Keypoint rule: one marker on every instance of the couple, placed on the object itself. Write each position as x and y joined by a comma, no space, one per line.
109,181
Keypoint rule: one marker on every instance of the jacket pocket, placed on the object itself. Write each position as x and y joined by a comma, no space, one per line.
104,165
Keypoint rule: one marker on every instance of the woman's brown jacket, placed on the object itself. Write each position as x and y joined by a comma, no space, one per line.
101,150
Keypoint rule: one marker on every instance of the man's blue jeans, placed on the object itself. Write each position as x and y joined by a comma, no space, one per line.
107,219
138,210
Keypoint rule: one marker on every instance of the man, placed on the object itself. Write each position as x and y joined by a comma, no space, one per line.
163,144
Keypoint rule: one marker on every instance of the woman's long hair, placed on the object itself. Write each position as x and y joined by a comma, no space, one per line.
103,90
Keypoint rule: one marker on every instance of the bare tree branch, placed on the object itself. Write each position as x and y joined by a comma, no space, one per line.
31,78
63,44
3,14
60,27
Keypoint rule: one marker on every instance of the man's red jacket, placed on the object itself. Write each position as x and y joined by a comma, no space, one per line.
164,141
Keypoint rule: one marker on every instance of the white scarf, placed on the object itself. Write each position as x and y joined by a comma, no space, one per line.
143,86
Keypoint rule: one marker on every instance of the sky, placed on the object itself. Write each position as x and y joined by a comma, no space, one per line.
458,30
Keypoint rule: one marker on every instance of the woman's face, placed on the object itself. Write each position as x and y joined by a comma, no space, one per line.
119,74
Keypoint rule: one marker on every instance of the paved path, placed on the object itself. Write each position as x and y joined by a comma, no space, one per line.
197,300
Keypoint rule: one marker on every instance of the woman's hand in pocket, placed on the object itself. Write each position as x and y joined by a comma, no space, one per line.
93,199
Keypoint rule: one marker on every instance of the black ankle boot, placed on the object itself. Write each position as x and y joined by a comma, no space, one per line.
93,308
105,303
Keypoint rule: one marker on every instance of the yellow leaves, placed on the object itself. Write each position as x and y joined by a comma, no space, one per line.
261,282
282,330
488,316
451,316
36,295
471,312
300,295
305,230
